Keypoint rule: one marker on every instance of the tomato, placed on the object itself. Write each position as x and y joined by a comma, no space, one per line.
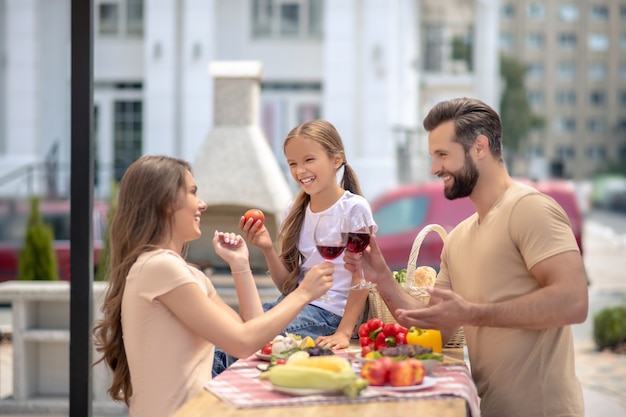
365,350
267,349
256,215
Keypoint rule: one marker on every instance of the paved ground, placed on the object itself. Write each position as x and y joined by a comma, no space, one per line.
602,374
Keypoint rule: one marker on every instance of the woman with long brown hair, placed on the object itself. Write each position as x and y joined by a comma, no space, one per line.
163,317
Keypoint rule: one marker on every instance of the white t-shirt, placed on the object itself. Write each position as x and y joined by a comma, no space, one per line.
348,204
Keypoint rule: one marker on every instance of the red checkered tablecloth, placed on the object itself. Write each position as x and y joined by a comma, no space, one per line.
240,387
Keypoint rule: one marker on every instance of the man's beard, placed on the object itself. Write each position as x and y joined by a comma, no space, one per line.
464,180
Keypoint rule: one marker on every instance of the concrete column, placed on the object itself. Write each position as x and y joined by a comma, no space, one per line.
359,70
196,86
22,78
161,97
486,57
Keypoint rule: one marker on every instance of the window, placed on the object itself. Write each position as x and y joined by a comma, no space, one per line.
287,19
568,13
596,125
565,152
598,42
566,40
535,98
622,12
566,97
535,40
134,17
622,98
433,38
622,71
565,125
622,154
597,98
506,41
308,111
535,11
120,17
535,151
598,71
108,18
127,135
622,41
596,153
599,13
507,11
566,70
535,70
621,125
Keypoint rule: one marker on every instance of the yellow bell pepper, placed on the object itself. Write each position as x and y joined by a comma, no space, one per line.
425,337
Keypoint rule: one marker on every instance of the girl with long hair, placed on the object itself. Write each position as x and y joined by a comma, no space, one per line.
315,154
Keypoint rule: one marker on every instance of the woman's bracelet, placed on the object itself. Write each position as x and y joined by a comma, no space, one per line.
240,272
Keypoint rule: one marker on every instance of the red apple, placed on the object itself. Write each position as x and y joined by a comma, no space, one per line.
402,374
376,372
254,214
418,369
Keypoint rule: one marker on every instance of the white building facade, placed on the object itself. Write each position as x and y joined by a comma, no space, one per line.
357,63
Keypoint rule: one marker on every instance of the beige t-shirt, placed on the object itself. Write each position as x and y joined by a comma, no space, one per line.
168,363
517,372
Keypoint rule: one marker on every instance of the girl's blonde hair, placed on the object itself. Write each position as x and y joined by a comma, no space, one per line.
324,133
148,195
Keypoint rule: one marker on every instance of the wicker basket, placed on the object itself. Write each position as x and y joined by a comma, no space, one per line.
378,308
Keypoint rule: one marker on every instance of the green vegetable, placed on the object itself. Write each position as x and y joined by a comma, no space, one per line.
400,276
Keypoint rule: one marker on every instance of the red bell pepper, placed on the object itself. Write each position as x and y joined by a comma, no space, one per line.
381,341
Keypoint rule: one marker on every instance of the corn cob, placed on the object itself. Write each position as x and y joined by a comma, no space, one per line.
329,363
295,376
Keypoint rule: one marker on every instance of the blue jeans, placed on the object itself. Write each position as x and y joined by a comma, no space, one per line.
312,321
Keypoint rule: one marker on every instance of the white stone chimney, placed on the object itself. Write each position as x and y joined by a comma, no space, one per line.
235,169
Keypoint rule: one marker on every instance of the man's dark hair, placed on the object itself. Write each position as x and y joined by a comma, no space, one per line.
471,118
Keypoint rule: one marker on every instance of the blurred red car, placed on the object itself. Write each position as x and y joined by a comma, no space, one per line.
404,211
13,217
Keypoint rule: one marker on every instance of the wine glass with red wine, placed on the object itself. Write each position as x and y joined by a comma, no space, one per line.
331,235
358,240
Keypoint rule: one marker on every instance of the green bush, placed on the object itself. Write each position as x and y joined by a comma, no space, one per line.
37,259
102,269
609,327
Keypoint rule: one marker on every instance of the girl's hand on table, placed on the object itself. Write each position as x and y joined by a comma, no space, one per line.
334,341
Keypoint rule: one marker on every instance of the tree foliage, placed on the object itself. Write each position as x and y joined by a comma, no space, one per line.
515,111
37,259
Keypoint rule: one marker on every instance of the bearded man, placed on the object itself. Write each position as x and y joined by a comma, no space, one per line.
511,274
